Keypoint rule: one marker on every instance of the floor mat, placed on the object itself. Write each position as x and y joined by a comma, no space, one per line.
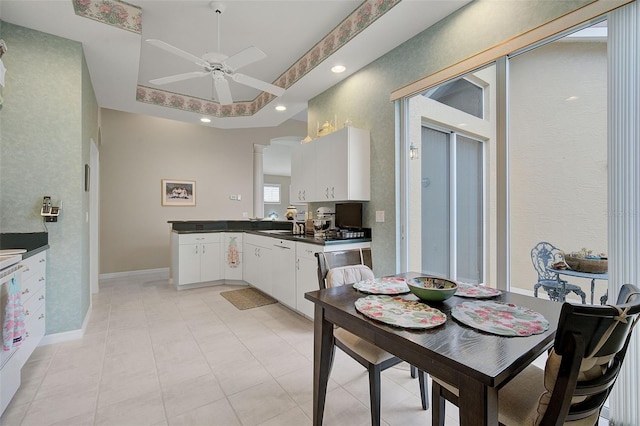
247,298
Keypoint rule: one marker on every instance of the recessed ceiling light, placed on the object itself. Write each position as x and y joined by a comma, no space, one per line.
571,98
205,120
281,108
338,68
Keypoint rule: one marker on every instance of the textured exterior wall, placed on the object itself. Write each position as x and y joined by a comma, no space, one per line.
558,153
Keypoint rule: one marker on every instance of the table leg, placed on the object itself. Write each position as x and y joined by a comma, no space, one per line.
322,360
478,404
593,288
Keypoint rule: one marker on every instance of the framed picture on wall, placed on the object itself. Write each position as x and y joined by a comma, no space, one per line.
178,192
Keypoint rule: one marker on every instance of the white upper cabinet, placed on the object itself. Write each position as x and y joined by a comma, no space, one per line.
335,167
303,172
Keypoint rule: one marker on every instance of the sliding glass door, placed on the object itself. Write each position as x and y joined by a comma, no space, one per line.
452,204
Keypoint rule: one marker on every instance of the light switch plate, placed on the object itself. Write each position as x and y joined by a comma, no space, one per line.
379,215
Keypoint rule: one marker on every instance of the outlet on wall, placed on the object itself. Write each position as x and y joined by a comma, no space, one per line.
380,216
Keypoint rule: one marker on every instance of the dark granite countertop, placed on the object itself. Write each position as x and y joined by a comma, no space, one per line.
33,242
275,229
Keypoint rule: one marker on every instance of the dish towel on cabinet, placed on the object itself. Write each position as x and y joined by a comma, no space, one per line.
13,328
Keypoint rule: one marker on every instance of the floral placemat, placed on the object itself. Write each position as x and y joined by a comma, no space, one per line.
400,312
504,319
385,285
476,291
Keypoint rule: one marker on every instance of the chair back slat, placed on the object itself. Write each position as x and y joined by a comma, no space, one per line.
593,338
336,259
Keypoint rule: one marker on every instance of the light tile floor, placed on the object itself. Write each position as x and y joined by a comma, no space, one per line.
155,356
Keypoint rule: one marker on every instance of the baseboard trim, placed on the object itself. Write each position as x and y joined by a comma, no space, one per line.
164,271
66,336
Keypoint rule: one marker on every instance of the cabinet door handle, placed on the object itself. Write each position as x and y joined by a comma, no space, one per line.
26,312
196,249
333,195
202,249
42,260
304,194
41,279
326,192
25,291
298,264
41,316
41,297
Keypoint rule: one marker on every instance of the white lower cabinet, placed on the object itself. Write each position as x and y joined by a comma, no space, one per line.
307,271
196,258
281,268
283,273
232,260
33,294
33,286
306,276
258,262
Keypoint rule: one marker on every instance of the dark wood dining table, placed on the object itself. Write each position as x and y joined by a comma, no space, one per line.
476,362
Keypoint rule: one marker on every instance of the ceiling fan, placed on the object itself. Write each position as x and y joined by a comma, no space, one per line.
219,66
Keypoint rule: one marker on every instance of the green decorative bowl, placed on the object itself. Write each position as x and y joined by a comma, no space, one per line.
432,289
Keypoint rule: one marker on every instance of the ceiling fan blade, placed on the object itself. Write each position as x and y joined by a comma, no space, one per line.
178,52
222,88
245,57
257,84
178,77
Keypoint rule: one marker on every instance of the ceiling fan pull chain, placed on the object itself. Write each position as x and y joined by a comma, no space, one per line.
218,13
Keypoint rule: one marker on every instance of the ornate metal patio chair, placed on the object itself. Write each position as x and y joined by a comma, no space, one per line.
344,268
581,369
543,256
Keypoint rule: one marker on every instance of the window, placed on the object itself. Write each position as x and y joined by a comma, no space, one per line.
460,94
272,193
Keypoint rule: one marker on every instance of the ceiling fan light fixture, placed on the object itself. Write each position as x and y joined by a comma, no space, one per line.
281,108
338,69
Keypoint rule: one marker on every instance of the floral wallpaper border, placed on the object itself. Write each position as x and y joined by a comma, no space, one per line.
111,12
129,17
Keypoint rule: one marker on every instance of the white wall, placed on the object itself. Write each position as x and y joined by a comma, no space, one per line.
138,151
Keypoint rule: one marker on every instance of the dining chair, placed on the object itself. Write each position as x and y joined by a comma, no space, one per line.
543,256
582,367
348,267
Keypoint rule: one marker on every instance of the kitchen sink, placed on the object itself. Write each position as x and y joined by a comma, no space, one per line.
278,231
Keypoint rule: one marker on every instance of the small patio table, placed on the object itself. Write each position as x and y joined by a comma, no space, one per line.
587,275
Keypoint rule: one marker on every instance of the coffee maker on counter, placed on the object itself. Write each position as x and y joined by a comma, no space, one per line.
324,225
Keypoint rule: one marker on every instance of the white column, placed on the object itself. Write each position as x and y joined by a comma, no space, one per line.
624,191
258,180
